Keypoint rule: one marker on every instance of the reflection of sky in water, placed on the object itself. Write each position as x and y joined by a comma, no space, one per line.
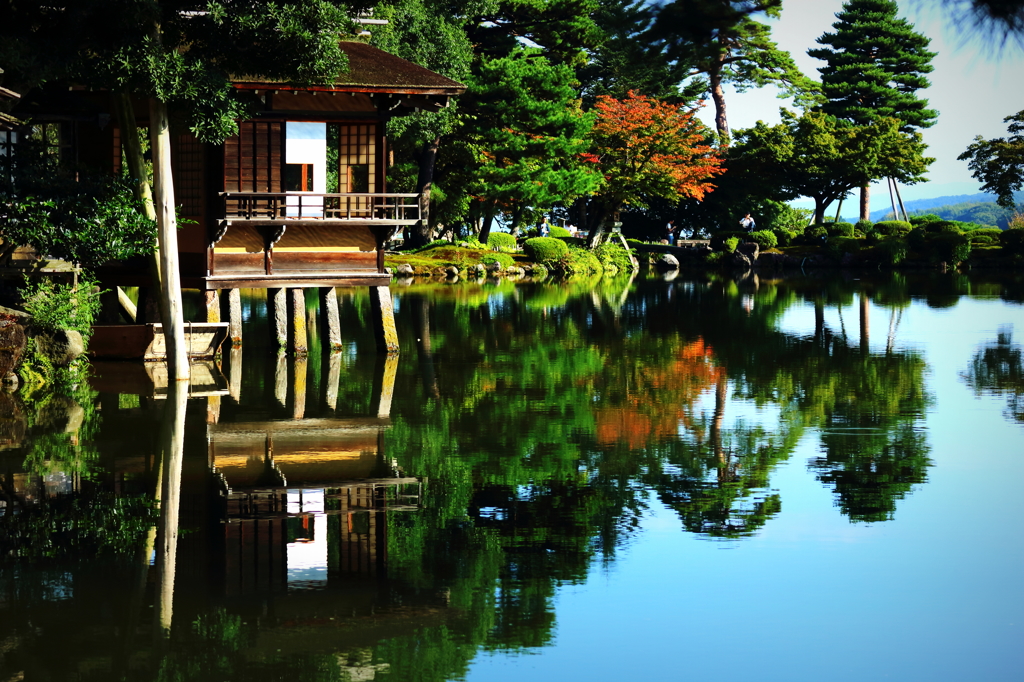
307,557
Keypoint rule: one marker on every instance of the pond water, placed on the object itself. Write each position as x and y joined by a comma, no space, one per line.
697,478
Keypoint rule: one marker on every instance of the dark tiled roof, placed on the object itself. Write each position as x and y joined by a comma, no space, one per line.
374,70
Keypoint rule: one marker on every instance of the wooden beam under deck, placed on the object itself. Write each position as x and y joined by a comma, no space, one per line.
290,281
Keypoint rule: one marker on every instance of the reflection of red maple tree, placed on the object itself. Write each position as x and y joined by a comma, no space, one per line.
655,406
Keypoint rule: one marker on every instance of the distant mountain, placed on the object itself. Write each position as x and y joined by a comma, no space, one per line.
978,208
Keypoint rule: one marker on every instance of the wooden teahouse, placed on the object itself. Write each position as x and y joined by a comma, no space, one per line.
298,198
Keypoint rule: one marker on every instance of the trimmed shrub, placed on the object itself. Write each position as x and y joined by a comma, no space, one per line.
838,246
985,235
506,260
840,229
924,218
582,262
501,241
944,226
894,250
1012,240
815,235
718,239
893,228
730,244
545,249
784,237
614,257
865,226
559,232
951,247
765,239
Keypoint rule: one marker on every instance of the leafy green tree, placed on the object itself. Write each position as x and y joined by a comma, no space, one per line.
718,40
627,59
527,134
999,162
815,155
874,65
426,33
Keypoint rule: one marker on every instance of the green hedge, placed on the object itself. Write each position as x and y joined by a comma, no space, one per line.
840,229
1012,240
501,241
765,239
545,249
893,228
718,239
559,232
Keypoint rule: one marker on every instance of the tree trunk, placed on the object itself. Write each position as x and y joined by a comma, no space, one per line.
820,205
865,202
167,242
598,216
420,235
718,97
488,220
137,171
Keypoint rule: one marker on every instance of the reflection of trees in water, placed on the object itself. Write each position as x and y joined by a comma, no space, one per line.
998,369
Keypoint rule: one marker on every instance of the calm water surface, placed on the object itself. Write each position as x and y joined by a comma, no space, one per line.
810,479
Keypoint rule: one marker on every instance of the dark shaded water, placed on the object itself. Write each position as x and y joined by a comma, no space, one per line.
690,479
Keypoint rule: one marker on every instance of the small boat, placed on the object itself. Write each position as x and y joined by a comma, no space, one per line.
146,341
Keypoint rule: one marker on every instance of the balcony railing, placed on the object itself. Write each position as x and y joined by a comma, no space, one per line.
385,209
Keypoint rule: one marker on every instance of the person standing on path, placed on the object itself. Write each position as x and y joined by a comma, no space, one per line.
670,232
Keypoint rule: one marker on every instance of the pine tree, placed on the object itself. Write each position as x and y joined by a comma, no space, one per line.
875,64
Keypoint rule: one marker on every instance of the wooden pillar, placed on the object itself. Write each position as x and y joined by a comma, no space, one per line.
281,379
277,311
382,317
298,322
329,318
235,317
300,369
333,376
235,373
211,300
212,409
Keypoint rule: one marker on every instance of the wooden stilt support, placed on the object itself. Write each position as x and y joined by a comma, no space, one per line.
300,369
235,373
235,317
329,318
298,346
382,317
212,409
385,372
211,299
281,379
333,375
277,311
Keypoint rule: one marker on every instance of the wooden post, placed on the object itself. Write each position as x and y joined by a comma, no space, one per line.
235,373
211,300
277,311
329,317
298,322
281,379
382,317
333,375
235,317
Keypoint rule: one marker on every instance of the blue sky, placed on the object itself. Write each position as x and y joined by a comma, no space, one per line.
976,83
